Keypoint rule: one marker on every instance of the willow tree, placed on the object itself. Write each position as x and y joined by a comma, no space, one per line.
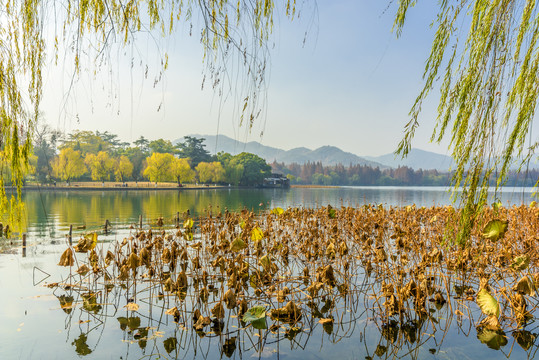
233,34
486,55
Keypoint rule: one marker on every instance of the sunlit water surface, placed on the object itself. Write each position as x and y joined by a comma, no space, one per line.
34,326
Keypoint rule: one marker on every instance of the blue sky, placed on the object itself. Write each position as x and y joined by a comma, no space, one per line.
350,85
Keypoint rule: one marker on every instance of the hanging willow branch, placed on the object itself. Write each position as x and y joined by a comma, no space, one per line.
233,33
488,91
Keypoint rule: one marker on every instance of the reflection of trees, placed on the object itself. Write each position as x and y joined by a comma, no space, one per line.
382,277
93,208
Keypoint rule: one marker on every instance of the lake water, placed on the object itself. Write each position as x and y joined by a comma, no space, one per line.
34,325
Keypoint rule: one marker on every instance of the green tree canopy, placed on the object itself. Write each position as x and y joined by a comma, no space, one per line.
162,146
255,169
193,148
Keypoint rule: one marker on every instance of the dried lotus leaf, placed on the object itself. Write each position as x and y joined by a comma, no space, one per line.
67,258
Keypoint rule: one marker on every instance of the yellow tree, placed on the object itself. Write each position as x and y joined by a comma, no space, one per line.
101,165
124,168
68,165
210,172
204,172
158,167
181,170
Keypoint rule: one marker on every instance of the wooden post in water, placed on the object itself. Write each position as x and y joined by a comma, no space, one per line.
24,245
70,236
140,221
107,224
177,219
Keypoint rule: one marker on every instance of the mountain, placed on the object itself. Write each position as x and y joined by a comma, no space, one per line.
327,155
416,159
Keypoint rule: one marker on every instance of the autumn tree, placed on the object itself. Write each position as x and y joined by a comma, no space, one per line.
123,168
210,172
158,167
181,170
68,165
101,165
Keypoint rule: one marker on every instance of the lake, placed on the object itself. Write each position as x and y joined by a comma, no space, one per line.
36,323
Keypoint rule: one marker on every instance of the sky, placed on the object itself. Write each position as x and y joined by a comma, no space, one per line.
350,84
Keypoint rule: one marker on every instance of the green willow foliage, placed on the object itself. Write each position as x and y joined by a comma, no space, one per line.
233,34
486,53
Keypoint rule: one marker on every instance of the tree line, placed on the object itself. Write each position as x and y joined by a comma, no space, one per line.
102,156
363,175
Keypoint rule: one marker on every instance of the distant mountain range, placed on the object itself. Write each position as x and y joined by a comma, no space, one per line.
328,155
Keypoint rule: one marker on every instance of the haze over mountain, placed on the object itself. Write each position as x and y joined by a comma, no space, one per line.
327,155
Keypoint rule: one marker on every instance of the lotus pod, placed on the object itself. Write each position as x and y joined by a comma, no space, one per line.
67,258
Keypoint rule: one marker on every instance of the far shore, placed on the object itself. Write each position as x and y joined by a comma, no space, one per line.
129,186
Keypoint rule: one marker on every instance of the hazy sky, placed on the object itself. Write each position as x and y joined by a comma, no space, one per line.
350,85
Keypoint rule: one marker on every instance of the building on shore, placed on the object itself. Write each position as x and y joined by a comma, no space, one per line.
276,181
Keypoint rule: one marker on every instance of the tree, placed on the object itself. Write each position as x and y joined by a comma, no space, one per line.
137,157
86,142
255,169
162,146
193,149
158,167
488,95
68,165
233,170
101,165
45,150
124,168
210,172
181,171
143,144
